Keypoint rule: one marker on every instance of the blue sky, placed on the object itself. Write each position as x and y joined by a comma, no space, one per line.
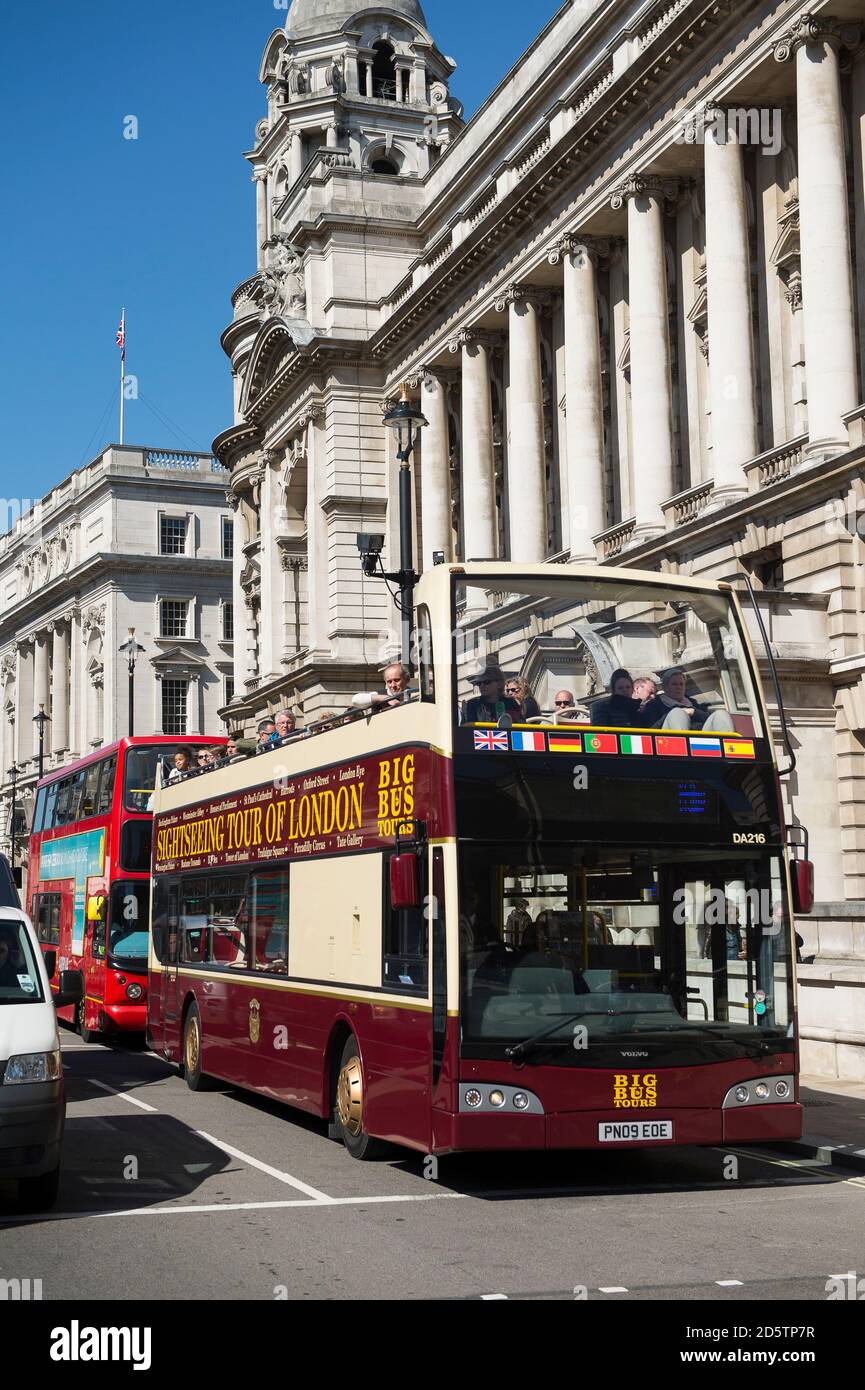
164,224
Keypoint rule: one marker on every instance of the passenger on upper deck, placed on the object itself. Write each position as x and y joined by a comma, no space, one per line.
491,704
644,689
567,711
267,736
520,690
285,722
673,709
397,679
182,765
620,707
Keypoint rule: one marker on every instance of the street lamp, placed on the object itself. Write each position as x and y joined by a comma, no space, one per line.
13,774
41,719
131,649
406,420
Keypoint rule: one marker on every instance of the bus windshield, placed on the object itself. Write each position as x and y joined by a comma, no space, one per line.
595,948
603,651
140,766
129,924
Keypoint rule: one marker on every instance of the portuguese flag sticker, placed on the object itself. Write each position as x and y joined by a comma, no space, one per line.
601,743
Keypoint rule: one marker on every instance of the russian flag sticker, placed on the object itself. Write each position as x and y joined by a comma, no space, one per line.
705,748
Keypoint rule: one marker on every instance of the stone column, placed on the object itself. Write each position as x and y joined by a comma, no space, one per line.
259,178
41,676
857,95
60,684
527,479
295,157
76,737
478,482
435,469
316,533
732,375
24,726
651,393
584,402
827,287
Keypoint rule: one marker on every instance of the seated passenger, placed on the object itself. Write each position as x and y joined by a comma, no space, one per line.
520,690
620,707
397,680
673,709
645,689
489,706
285,722
182,765
567,711
205,760
267,737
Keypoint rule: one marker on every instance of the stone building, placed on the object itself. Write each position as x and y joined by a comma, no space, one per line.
137,538
629,295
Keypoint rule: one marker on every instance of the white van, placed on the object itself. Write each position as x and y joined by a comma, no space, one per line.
32,1093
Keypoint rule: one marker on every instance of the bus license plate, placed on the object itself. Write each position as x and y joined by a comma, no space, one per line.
634,1131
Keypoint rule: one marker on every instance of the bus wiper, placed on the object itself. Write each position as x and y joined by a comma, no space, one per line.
520,1049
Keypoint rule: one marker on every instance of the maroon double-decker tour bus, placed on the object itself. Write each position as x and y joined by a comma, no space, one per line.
467,922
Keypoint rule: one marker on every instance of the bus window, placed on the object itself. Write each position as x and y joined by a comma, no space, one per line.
54,929
425,654
97,948
268,897
90,797
50,814
39,813
76,789
61,809
106,786
136,837
404,944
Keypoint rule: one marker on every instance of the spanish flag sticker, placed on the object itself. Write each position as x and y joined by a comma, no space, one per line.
739,748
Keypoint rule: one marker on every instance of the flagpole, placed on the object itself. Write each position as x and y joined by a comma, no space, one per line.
122,371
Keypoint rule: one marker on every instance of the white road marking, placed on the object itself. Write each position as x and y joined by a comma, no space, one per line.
279,1206
613,1288
487,1297
265,1168
122,1095
729,1283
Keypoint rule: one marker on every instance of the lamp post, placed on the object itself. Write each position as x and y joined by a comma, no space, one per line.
406,420
130,649
41,719
13,775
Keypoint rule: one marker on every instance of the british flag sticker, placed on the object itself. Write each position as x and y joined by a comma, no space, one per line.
491,741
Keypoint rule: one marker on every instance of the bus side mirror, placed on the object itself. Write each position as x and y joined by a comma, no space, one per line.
404,889
802,876
71,989
50,959
96,909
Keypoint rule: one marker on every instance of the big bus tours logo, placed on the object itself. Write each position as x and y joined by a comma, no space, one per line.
635,1090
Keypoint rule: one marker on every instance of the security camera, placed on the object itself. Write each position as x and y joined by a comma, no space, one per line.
370,548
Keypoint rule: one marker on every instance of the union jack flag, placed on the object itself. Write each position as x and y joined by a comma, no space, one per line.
491,741
121,337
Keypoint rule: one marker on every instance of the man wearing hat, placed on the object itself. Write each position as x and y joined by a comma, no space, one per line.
489,706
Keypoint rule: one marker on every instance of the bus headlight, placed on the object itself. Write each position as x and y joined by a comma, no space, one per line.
497,1098
782,1089
32,1066
521,1100
742,1093
761,1090
134,992
473,1098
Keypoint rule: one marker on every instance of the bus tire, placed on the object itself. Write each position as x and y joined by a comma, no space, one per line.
38,1194
196,1079
348,1105
88,1035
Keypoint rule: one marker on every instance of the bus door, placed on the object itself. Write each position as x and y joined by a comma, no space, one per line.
95,948
166,1031
705,940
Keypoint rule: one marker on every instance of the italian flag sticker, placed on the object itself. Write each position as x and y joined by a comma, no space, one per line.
636,743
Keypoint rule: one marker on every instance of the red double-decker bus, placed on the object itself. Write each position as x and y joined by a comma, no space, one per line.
464,923
88,892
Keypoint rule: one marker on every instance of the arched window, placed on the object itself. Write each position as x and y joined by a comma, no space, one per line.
383,166
384,71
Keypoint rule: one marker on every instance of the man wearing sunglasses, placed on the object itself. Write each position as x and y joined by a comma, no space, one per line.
492,702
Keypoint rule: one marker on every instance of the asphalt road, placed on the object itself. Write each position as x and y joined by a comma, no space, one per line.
171,1195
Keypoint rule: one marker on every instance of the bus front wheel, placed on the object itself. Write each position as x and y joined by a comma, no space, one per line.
196,1080
88,1035
348,1106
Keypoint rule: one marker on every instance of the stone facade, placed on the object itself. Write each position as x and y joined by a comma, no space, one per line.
630,297
104,551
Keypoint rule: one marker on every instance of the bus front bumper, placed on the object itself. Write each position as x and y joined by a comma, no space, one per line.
582,1129
31,1128
123,1018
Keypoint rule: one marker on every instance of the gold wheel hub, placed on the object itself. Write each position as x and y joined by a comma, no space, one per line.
349,1097
192,1046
